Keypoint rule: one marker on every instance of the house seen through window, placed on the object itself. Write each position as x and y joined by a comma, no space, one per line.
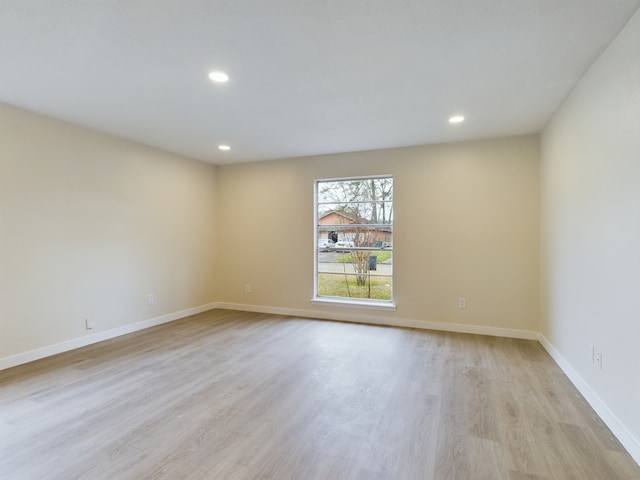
354,239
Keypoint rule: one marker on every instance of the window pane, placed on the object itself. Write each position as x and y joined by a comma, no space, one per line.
353,261
355,212
337,285
357,236
343,191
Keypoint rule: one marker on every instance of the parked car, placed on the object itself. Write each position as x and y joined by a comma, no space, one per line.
342,244
325,245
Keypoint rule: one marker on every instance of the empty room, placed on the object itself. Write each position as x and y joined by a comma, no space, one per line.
320,240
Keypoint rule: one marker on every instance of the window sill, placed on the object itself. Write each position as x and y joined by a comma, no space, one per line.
336,302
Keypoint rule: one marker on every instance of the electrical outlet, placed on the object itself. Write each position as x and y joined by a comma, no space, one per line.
150,299
462,302
598,360
247,288
88,324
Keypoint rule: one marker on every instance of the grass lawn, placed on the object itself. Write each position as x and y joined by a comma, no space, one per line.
335,285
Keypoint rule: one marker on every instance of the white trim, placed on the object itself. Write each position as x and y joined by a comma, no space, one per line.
362,304
342,316
68,345
630,443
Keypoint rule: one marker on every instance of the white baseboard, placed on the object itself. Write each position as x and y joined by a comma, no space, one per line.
341,315
68,345
630,443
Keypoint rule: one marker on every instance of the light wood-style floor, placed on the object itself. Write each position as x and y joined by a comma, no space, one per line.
232,395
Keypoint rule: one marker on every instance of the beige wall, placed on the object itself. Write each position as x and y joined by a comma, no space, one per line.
466,225
90,225
591,231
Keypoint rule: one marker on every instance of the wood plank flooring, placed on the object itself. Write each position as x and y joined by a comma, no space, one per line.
233,395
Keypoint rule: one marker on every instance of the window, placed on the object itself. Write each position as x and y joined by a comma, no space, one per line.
354,240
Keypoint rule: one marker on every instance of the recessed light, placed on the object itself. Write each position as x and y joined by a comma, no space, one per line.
219,77
456,119
224,147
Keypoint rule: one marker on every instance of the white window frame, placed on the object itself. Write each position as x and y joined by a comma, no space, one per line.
366,303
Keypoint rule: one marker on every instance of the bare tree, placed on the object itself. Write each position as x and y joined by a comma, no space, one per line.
360,258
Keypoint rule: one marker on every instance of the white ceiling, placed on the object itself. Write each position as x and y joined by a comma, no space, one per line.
307,76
